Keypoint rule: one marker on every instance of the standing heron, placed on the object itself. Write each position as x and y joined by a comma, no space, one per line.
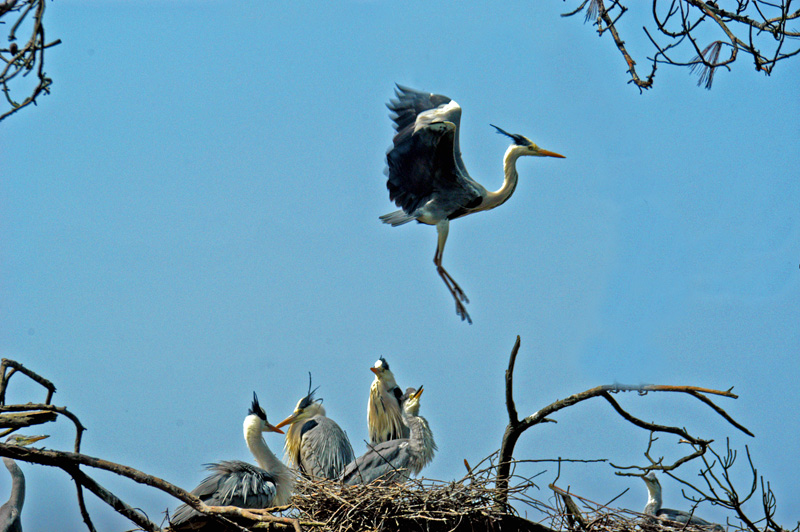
653,507
396,460
315,444
10,511
237,483
384,418
427,177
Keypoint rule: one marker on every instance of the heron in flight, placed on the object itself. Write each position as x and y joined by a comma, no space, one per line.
10,511
427,178
384,418
237,483
315,444
654,508
396,460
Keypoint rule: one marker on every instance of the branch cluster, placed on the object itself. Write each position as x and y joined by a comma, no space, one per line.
757,28
22,57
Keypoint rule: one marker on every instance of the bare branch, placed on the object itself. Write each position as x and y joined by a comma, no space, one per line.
756,28
22,60
515,427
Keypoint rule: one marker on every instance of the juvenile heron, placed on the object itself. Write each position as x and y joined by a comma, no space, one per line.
396,460
654,508
384,418
10,511
315,444
237,483
427,178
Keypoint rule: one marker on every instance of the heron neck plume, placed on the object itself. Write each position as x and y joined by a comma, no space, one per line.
17,484
383,411
294,434
420,441
510,177
267,460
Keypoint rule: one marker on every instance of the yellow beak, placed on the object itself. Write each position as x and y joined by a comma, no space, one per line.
546,153
290,419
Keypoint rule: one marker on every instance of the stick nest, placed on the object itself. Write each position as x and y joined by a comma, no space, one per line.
422,504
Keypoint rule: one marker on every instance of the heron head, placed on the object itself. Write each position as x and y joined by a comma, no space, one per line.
653,485
307,407
257,415
382,372
410,400
525,146
22,440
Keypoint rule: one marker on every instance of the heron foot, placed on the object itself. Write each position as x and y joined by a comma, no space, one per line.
458,294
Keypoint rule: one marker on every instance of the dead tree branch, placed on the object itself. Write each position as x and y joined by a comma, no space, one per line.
21,60
516,427
755,28
69,462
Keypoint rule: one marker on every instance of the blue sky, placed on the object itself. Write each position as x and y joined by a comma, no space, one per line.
192,215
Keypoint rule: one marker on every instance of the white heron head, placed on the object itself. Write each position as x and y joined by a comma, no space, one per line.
652,483
524,146
257,419
411,401
383,374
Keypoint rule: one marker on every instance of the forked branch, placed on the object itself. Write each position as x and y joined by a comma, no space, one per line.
516,427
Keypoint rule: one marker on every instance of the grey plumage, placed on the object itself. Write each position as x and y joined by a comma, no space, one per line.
11,510
654,502
315,444
426,176
396,460
237,483
231,483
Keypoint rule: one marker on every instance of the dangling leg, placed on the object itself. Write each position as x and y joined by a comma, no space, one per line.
458,294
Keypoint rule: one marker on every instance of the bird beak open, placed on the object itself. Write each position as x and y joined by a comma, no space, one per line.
288,420
545,153
273,428
419,392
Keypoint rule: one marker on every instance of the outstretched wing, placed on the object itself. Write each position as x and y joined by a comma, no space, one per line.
231,483
425,161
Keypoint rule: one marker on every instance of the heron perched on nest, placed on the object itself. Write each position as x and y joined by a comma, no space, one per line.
10,511
396,460
427,178
384,417
653,507
315,444
237,483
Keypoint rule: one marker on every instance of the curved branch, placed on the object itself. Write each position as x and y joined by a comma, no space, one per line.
515,427
69,462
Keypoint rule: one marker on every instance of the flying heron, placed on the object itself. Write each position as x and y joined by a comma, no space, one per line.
237,483
427,178
384,418
396,460
10,511
315,444
654,508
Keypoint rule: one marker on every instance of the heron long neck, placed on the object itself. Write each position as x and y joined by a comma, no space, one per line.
17,484
270,463
653,500
500,196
